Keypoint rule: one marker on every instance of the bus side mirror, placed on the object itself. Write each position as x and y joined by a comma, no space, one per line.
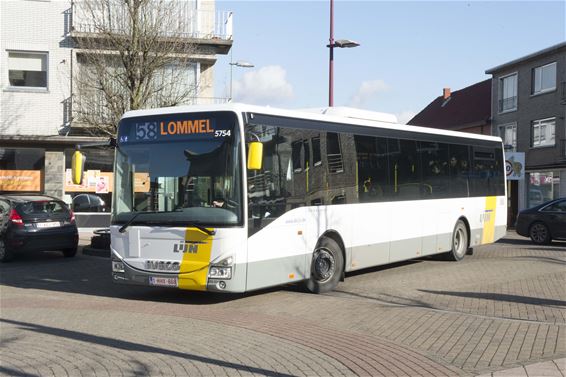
255,155
77,167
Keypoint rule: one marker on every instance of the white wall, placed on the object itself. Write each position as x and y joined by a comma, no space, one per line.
34,26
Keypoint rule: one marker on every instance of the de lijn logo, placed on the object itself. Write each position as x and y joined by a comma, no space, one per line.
190,247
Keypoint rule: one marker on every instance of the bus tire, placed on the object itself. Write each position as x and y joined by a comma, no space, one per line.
460,241
327,267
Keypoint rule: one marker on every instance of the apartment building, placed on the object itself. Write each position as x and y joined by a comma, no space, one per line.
528,108
41,46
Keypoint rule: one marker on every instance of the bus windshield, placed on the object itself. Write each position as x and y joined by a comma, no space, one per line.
178,169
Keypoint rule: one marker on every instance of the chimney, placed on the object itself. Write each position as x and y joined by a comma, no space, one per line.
446,93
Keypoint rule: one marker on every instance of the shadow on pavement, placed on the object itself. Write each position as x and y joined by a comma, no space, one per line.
137,347
92,276
502,297
527,242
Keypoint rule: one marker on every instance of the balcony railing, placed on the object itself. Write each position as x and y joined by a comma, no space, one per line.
188,22
507,104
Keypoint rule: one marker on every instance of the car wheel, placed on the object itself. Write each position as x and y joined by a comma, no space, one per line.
539,234
459,242
5,254
326,267
69,253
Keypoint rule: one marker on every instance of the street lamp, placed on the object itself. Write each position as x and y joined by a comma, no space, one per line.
241,64
340,43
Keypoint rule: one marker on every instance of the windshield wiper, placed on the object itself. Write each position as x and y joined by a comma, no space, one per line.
130,221
189,223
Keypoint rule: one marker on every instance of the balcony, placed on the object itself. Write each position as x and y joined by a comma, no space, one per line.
563,149
507,104
89,19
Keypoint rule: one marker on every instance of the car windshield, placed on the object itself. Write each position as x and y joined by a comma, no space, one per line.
177,169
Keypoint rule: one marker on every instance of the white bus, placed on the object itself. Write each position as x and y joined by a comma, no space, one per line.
236,198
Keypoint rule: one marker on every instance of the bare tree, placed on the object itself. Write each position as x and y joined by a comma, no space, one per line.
132,54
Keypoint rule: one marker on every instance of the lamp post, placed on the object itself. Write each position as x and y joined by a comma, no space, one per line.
241,64
340,43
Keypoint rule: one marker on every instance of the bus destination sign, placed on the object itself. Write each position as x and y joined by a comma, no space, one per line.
148,131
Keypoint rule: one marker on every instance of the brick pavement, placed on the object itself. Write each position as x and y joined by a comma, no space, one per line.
499,312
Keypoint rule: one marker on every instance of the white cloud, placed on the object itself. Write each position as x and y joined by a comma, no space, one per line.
265,86
368,90
404,116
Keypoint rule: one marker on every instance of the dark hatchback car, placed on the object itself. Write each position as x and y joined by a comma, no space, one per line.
36,223
544,222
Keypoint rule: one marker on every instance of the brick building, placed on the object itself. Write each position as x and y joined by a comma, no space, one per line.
465,110
528,111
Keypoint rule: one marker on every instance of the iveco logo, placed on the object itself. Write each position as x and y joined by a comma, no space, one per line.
162,265
186,247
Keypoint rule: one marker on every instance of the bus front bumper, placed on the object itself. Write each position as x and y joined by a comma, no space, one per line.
122,273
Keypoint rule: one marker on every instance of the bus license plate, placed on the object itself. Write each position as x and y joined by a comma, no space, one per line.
163,282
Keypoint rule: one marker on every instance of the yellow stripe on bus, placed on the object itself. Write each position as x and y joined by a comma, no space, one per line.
193,272
489,220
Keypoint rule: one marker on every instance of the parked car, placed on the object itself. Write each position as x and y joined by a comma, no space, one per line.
88,203
544,222
36,223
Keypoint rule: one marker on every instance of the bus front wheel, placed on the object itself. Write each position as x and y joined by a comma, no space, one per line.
459,242
326,267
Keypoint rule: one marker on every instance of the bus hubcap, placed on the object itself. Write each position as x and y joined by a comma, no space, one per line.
459,242
323,265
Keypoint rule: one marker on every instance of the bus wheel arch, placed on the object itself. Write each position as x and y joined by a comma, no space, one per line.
327,266
338,239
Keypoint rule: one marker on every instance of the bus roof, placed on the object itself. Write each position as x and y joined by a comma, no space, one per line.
338,115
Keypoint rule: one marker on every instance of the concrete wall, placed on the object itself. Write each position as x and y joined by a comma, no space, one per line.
34,26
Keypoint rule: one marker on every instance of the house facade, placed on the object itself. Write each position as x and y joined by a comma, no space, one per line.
528,109
41,46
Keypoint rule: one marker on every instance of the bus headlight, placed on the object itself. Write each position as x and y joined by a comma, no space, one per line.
219,272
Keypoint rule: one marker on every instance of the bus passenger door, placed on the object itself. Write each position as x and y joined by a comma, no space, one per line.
276,249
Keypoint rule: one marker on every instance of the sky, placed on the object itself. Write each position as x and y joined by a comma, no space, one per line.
408,51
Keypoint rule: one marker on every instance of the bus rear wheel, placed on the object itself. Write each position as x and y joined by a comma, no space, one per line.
459,242
326,267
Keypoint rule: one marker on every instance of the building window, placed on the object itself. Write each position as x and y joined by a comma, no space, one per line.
544,78
508,93
27,69
508,133
542,132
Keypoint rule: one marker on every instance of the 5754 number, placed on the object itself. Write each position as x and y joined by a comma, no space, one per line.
222,133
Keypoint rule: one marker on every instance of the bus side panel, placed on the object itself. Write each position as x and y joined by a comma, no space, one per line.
371,229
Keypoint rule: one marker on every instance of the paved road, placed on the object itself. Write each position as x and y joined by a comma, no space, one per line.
491,314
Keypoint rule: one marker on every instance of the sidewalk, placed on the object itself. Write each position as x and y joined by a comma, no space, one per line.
553,368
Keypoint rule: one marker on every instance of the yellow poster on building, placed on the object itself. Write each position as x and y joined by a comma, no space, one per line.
20,180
